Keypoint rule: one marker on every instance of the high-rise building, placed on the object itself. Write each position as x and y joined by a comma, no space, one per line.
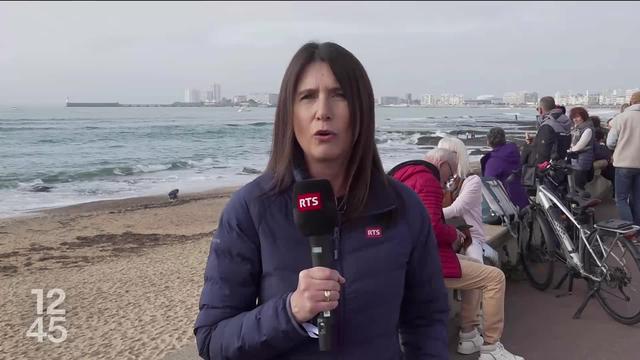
209,97
217,93
592,98
408,98
427,100
191,95
510,98
521,98
618,96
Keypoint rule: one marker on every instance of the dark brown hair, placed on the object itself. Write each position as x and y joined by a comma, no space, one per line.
364,162
595,120
496,137
579,111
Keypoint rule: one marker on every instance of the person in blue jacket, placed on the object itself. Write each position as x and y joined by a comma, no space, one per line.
386,290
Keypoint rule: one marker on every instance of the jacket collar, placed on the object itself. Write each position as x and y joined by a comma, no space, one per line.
379,200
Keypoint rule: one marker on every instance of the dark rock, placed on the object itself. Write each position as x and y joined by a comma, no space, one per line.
478,152
41,188
428,140
252,171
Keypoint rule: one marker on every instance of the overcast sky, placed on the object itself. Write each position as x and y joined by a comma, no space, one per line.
151,52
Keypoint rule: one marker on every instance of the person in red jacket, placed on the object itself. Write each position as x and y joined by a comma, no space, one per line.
486,283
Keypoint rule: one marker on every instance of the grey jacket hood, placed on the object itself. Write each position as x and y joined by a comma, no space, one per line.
557,120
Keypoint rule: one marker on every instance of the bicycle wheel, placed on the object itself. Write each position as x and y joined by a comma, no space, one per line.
537,252
619,291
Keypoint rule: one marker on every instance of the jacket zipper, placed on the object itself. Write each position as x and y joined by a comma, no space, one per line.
336,256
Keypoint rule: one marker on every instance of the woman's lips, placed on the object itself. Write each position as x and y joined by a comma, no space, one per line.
324,135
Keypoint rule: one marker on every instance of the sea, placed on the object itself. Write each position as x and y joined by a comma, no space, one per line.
58,156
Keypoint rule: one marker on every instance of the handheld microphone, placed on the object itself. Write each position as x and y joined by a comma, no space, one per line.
315,214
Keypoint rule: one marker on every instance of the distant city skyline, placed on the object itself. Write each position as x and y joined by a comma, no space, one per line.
139,52
612,97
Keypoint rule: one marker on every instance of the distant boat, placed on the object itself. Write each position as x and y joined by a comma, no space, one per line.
244,109
14,108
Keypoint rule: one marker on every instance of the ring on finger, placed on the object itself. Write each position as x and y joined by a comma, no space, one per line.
327,295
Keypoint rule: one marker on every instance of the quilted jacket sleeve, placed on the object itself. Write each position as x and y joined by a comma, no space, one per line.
229,324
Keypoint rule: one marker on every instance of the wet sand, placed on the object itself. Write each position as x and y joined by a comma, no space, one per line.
131,271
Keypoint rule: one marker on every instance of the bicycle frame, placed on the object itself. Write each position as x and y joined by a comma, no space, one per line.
547,199
571,235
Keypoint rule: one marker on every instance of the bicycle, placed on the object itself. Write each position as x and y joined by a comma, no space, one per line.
561,229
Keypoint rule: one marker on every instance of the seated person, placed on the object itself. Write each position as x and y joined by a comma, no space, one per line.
482,282
503,163
465,197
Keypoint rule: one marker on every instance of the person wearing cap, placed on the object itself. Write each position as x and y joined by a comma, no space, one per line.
623,138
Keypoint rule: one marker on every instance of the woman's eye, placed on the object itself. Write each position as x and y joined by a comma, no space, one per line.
339,95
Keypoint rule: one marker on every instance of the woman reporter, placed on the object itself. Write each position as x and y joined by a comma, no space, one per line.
261,294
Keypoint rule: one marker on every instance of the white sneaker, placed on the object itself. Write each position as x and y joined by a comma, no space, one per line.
496,352
470,342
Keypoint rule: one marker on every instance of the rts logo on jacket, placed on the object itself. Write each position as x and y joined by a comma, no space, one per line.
374,232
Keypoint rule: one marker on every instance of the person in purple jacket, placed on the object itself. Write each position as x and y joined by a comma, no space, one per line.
385,289
503,163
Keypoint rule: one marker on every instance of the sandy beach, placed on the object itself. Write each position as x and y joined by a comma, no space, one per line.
131,271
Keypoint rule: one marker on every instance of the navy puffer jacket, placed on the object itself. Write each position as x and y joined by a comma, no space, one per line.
394,281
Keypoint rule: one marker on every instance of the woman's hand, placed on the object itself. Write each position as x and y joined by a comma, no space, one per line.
463,240
457,244
310,298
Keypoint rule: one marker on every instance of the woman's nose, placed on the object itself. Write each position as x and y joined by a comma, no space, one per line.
323,111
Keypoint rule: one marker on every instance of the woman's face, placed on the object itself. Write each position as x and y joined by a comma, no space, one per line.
577,120
321,120
446,172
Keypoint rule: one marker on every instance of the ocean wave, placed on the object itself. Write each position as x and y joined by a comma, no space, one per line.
260,123
254,124
151,168
107,172
51,141
37,119
28,128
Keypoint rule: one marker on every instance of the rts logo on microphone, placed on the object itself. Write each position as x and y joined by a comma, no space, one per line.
309,202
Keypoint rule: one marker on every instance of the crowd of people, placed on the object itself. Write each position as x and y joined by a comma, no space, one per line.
396,248
590,146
